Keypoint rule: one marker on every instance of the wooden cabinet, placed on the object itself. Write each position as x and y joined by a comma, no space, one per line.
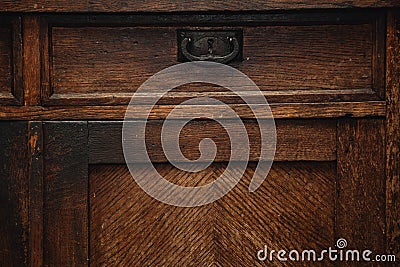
67,198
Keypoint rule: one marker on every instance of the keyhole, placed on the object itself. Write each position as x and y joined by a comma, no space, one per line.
210,45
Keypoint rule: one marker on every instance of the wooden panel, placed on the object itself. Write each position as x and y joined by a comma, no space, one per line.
296,140
280,111
65,209
10,61
393,136
182,5
360,202
35,143
14,194
293,209
92,65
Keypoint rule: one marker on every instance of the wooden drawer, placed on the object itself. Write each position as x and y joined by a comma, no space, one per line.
316,58
11,91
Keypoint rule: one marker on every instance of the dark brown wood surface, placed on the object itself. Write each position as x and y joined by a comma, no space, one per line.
65,194
35,146
360,203
14,194
182,5
5,62
336,104
11,90
393,135
294,208
296,140
279,111
32,91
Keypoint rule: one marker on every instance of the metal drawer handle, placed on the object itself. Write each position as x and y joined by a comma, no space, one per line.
211,57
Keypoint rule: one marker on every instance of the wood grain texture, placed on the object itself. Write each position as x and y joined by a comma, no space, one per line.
360,204
17,65
280,111
296,140
65,185
182,5
35,145
293,208
213,19
105,65
11,88
14,194
31,27
393,135
378,54
5,62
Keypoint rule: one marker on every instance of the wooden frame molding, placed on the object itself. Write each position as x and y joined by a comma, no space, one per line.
393,134
361,183
181,5
280,111
31,33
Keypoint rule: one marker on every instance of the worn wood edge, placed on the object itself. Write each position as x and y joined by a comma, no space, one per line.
35,144
8,98
393,135
307,140
174,98
280,111
168,6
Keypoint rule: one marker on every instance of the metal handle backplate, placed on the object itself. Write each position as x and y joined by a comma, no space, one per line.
217,46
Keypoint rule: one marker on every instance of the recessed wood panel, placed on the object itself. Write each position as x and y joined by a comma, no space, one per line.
293,209
10,61
5,61
11,88
102,64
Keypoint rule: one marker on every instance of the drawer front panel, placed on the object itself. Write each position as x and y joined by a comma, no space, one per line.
91,64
